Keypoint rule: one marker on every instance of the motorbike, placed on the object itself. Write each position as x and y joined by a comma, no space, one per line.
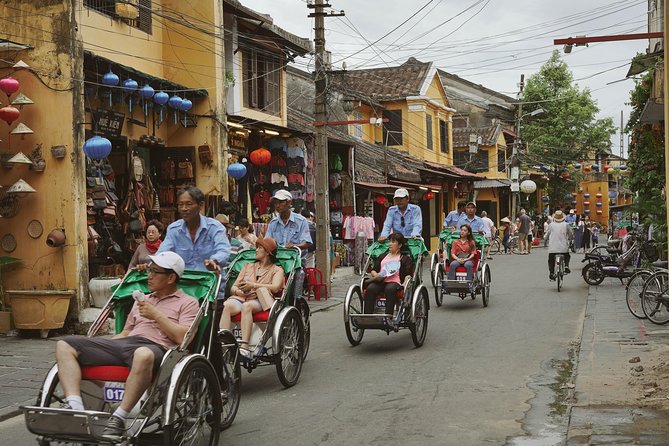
621,267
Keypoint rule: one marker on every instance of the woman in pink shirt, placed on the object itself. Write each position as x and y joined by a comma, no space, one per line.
389,274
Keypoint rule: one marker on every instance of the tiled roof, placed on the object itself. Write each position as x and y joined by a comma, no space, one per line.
385,83
488,135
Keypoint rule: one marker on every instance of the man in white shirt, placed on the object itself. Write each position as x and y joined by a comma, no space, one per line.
488,230
558,234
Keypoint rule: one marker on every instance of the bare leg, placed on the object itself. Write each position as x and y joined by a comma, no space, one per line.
247,321
229,309
139,379
69,371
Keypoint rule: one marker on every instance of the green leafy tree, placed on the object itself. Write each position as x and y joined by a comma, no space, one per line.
646,161
566,132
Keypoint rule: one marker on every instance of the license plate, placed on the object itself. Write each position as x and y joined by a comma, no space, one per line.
237,332
461,277
113,392
381,303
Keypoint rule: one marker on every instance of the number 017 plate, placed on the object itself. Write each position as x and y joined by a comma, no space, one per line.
113,392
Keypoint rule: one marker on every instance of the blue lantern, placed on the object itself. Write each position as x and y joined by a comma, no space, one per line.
595,167
110,79
567,196
147,91
586,195
612,194
577,165
161,98
97,148
129,85
544,168
175,101
587,211
598,204
573,202
237,170
623,167
545,199
185,105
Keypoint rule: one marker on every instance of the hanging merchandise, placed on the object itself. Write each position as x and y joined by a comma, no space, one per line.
129,87
97,147
22,100
237,171
261,157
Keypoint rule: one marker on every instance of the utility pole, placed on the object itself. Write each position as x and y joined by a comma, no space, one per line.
515,165
321,151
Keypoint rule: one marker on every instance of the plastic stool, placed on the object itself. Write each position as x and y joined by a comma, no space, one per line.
314,278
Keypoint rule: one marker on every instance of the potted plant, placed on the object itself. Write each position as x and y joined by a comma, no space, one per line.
41,310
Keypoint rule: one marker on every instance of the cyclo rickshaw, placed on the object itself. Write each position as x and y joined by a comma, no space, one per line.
280,334
188,402
441,264
413,300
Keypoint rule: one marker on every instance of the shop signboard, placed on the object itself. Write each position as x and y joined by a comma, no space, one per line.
108,122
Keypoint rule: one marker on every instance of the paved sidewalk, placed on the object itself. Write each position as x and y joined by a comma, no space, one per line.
24,361
608,391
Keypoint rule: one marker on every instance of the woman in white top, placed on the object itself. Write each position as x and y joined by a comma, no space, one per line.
246,236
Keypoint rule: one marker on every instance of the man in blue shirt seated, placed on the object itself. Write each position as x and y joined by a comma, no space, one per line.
404,218
471,219
200,241
571,217
452,218
288,228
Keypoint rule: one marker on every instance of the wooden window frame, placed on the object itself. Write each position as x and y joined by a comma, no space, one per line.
443,136
429,134
261,82
392,130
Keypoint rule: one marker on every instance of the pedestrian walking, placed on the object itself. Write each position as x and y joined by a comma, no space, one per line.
506,233
595,234
578,234
488,230
586,236
523,232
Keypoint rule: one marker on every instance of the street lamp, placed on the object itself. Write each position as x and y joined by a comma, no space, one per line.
347,104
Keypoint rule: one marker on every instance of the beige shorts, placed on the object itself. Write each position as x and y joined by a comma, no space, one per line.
522,236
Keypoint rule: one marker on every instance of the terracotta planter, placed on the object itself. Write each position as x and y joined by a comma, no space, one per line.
39,309
56,238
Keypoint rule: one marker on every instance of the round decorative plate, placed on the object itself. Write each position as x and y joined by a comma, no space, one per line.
35,229
8,243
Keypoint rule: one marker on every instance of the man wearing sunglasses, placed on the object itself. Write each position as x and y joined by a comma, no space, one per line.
404,218
156,322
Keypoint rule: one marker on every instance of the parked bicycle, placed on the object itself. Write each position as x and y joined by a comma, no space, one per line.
635,285
655,297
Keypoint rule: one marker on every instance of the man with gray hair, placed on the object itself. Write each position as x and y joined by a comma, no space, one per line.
488,230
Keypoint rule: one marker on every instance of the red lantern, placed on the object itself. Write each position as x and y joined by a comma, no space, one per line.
9,114
599,211
428,195
587,168
260,157
565,175
598,195
606,167
9,85
380,199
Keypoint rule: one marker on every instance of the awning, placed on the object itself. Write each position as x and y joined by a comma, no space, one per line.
410,185
454,172
8,45
619,207
485,184
652,113
643,63
375,185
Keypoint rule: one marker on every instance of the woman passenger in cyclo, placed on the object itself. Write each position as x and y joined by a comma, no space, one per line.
558,234
463,251
254,290
390,272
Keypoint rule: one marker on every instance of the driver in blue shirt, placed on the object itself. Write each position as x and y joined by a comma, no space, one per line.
404,217
289,228
452,218
470,218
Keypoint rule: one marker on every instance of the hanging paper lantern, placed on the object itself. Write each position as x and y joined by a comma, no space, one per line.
545,199
574,194
9,85
9,114
598,195
528,186
623,167
261,156
606,167
237,170
544,168
586,195
587,211
567,196
612,194
595,167
428,195
147,91
175,102
599,212
586,168
586,203
129,85
110,79
161,98
565,175
97,147
577,165
598,204
573,202
185,105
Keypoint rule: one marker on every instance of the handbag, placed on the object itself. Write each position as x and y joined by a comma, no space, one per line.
99,204
265,298
184,170
109,213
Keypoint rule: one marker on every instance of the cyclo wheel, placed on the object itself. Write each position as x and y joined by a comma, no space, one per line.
231,384
288,351
434,263
355,306
303,308
196,408
655,299
634,293
559,275
485,285
419,326
495,246
438,280
592,274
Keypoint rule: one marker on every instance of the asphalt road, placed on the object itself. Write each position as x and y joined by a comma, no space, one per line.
483,375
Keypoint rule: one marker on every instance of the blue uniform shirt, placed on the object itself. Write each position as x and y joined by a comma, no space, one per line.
295,230
412,219
476,223
452,218
211,242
